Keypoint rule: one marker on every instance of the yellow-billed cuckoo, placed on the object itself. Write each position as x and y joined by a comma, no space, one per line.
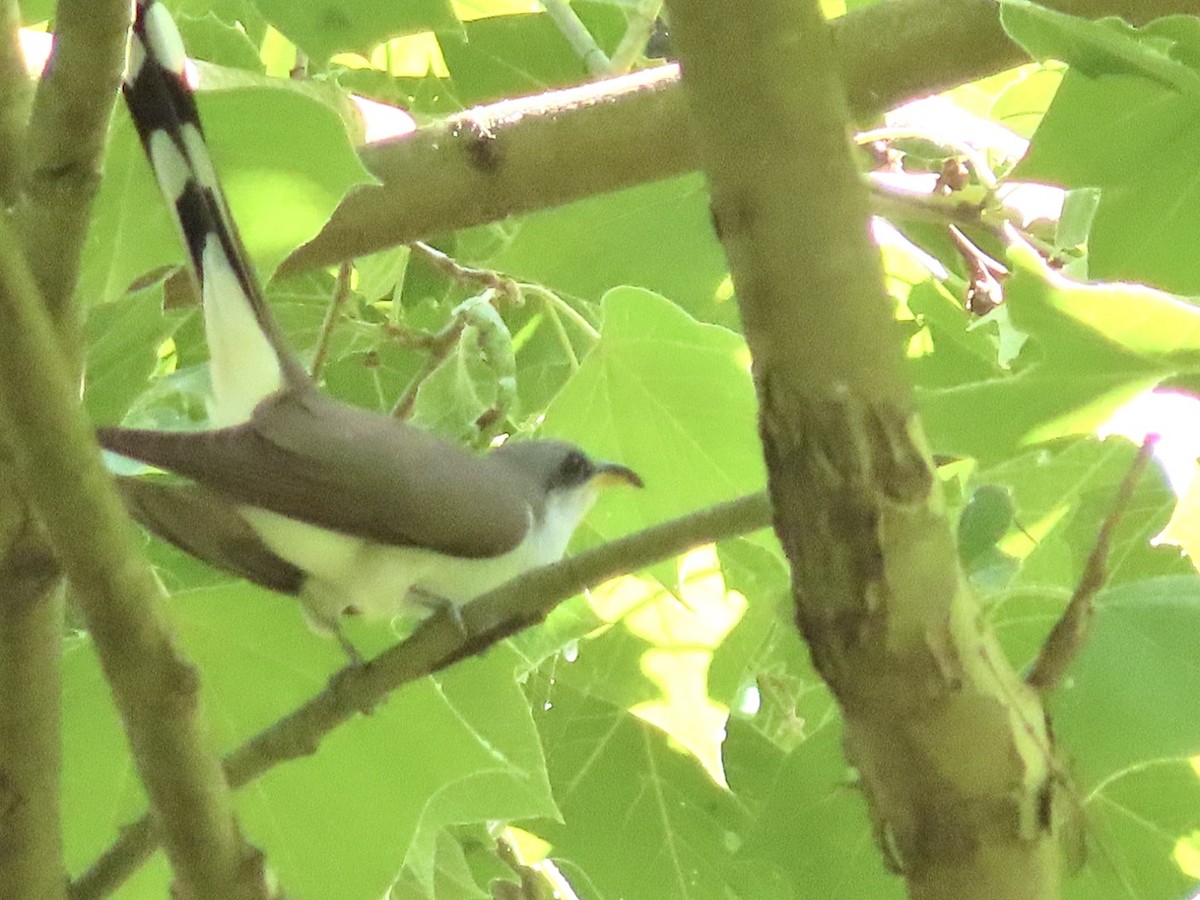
349,509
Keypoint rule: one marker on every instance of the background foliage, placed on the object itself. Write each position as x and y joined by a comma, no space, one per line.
666,736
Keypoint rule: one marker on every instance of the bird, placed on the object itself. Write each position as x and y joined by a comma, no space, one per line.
350,510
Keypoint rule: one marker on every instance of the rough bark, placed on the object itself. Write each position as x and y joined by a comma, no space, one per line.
519,156
955,759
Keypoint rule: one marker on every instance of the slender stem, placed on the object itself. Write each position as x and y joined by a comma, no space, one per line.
640,19
486,278
439,346
341,293
1067,637
552,299
978,161
577,35
31,598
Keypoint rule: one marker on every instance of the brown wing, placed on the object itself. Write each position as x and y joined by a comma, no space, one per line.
315,459
207,526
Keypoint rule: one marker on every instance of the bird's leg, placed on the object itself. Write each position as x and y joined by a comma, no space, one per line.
436,603
355,658
324,622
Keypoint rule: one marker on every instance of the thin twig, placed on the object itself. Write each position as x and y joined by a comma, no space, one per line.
577,35
640,25
341,293
538,881
456,271
984,290
440,346
556,302
438,642
964,148
1067,637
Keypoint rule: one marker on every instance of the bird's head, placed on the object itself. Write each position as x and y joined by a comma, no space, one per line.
564,482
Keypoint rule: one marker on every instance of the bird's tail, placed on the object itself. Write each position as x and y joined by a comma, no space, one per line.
248,357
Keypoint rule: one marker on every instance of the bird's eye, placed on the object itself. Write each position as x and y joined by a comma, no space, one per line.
576,468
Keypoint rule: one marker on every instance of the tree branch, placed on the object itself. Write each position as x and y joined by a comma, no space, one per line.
67,132
437,643
15,91
953,752
1066,639
58,463
518,156
31,610
31,631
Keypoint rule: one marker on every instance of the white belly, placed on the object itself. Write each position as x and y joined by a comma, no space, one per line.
346,573
381,581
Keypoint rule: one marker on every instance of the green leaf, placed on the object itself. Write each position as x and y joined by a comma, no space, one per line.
1062,493
513,55
216,40
985,519
1093,348
35,11
1104,47
639,819
1127,712
672,398
100,789
1135,687
961,348
656,236
1125,121
454,878
1133,826
123,340
322,28
810,823
466,398
393,794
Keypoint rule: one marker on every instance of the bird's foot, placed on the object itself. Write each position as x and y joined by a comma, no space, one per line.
435,604
354,657
328,624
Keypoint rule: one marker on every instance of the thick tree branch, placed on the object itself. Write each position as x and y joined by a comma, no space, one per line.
437,643
67,132
955,759
31,630
507,158
58,463
31,610
15,91
518,156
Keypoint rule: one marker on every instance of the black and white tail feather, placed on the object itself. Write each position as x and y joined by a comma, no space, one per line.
249,360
